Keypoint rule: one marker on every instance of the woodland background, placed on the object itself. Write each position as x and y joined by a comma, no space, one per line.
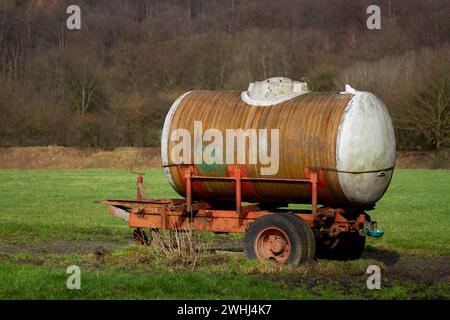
111,83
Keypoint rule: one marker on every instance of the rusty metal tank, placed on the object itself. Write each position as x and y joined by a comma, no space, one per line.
348,136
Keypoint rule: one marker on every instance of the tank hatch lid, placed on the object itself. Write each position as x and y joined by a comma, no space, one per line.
273,91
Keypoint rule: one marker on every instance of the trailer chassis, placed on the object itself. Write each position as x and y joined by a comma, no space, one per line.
188,214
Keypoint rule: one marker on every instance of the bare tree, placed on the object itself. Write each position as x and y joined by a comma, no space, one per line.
430,112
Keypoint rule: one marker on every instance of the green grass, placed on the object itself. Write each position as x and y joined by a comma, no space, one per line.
45,215
415,211
44,205
33,283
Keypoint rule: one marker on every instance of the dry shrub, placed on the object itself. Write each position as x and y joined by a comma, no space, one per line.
181,247
171,250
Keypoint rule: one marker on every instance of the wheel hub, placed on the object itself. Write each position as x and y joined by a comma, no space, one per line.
278,244
273,244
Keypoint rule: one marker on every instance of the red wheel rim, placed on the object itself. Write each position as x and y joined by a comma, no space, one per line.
273,244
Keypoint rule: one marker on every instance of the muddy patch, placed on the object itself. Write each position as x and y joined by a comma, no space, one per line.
421,269
396,265
61,247
413,266
22,260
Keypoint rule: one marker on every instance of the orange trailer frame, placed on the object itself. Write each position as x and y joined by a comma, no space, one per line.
187,214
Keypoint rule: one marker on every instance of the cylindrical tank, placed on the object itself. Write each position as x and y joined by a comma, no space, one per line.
348,135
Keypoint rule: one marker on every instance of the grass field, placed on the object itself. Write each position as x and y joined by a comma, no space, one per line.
48,221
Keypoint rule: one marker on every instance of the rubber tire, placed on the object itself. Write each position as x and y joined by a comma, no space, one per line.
307,233
350,247
288,226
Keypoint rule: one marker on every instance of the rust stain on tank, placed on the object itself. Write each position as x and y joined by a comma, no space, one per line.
308,126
